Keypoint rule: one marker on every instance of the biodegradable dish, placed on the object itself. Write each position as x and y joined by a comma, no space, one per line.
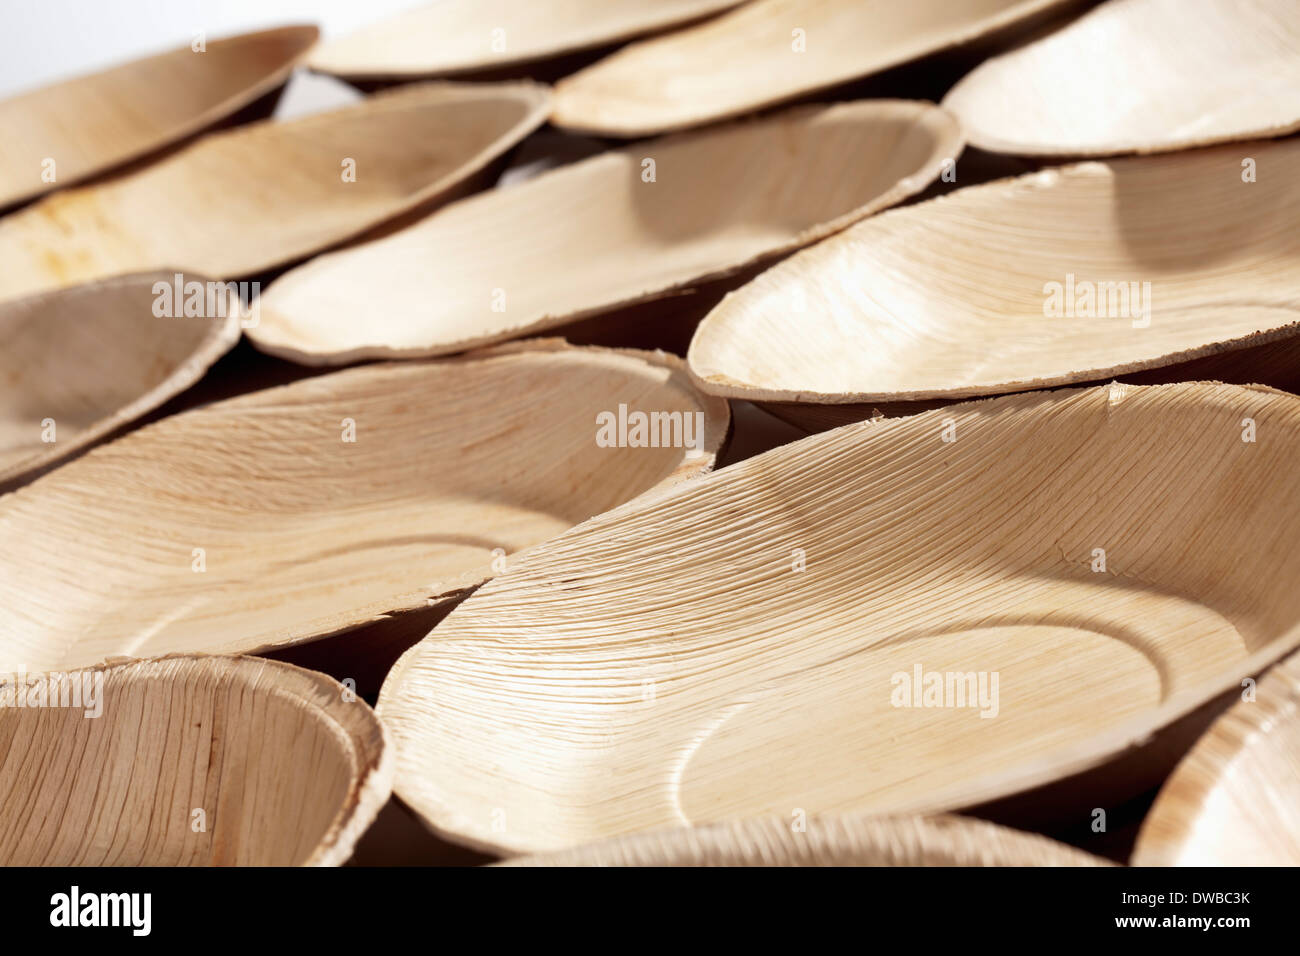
245,201
676,81
296,512
80,362
1077,570
1069,275
187,761
460,37
643,222
849,840
1140,76
58,135
1235,798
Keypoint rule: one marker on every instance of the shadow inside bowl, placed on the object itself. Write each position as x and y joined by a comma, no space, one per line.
185,761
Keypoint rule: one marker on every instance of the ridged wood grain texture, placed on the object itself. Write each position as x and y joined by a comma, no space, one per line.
1141,76
93,123
732,649
501,264
747,59
286,769
459,37
304,533
92,358
846,840
260,196
1235,798
953,298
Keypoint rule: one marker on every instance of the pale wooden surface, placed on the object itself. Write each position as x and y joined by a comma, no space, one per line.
266,194
845,840
92,358
1238,788
455,37
1141,76
93,123
305,534
772,686
1275,362
1235,798
744,59
946,299
285,768
722,200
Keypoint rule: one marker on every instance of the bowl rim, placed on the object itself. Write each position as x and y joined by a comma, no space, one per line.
372,775
1090,753
948,145
1054,177
1181,800
304,35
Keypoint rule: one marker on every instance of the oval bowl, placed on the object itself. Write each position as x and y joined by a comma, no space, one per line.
296,512
90,124
1233,799
466,37
833,840
187,761
266,194
79,363
500,265
1070,275
1140,76
873,619
674,81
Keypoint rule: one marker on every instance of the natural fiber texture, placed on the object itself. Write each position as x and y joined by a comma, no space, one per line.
954,297
256,522
459,37
1235,798
848,840
192,761
92,123
500,264
750,58
78,363
733,648
1141,76
266,194
1274,362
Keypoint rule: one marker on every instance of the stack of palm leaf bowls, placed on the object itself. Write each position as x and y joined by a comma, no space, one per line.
1032,563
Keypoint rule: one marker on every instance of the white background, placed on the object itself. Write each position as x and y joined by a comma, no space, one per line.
42,41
